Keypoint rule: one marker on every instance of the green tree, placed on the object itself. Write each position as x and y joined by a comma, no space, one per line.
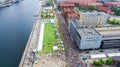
44,15
109,61
51,2
95,63
113,21
41,15
98,63
109,21
101,61
93,7
116,10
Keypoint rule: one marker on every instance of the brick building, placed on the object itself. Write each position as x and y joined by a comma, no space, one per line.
105,9
63,5
68,13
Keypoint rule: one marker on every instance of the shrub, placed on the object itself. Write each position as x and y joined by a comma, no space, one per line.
98,63
101,61
109,61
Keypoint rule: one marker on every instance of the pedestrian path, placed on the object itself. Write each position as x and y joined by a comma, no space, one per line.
40,41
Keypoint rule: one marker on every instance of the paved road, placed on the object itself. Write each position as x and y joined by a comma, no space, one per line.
72,51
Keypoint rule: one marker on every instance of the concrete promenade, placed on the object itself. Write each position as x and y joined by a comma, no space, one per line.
27,59
40,42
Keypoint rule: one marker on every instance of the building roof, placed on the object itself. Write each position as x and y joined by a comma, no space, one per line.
112,3
109,32
76,23
65,4
102,8
76,1
105,9
90,3
72,15
93,13
87,32
65,10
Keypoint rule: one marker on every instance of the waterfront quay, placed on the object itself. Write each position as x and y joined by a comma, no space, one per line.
27,59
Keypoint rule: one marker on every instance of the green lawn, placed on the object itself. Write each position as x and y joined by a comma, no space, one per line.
49,38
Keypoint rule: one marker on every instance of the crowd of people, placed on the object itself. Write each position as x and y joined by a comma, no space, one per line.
72,52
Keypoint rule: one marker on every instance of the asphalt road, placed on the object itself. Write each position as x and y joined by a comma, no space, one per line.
72,51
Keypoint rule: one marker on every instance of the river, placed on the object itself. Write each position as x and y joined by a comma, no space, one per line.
16,24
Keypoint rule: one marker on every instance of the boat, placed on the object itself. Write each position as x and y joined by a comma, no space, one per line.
16,1
8,3
35,15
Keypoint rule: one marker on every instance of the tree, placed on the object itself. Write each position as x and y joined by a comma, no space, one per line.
41,15
93,7
101,61
97,63
109,21
109,61
116,10
51,2
113,21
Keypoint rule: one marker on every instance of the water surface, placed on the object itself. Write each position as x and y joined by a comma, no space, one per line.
16,24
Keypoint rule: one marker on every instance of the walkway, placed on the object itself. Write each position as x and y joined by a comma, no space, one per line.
41,34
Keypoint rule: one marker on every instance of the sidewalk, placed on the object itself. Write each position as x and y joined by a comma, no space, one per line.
40,41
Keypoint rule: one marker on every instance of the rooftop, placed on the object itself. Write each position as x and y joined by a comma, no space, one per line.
102,8
87,32
109,32
90,3
112,3
65,4
93,13
76,1
76,23
105,9
72,15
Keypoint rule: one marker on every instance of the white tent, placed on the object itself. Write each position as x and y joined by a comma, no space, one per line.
55,48
52,20
113,54
34,50
95,56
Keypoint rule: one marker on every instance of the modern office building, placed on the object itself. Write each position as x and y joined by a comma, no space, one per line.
92,19
110,37
85,38
73,26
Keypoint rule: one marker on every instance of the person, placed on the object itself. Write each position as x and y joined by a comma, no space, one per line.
86,65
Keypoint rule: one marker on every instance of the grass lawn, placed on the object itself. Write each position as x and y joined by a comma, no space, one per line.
49,39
